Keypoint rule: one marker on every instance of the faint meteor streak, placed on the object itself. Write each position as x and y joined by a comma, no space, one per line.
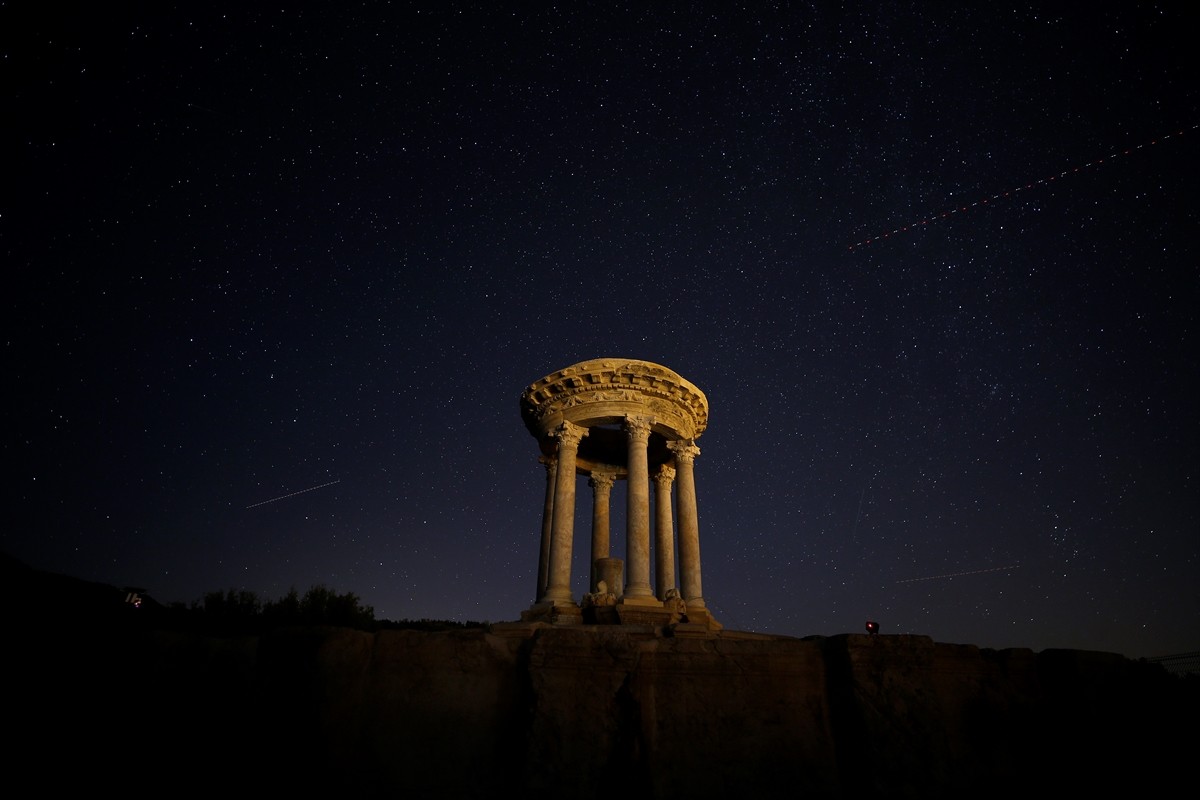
956,574
293,494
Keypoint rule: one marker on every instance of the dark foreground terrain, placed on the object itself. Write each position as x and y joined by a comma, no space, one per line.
105,698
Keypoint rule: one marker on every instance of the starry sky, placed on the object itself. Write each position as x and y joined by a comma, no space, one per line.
278,275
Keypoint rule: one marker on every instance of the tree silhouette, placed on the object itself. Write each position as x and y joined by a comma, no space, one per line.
234,611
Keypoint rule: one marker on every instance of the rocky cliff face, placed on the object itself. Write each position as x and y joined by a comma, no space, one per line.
585,712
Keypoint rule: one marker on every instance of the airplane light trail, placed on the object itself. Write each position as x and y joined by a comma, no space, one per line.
984,201
956,574
293,494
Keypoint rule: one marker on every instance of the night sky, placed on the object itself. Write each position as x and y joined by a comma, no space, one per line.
276,277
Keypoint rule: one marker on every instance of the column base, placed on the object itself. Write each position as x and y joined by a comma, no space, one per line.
649,601
630,614
627,611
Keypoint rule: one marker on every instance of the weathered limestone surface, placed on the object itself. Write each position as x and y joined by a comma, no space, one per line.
619,419
587,712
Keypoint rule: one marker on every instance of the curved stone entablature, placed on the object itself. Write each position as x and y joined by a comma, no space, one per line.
605,391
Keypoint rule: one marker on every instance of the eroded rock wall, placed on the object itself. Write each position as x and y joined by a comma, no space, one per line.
590,713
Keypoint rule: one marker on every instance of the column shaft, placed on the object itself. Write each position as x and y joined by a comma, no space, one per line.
558,588
547,527
637,582
602,483
689,527
664,534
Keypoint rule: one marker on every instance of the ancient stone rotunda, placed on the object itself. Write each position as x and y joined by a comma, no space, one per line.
616,419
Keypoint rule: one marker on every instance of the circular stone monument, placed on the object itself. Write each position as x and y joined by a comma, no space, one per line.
615,419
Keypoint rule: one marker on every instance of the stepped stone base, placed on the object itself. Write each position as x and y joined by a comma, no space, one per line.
696,622
553,614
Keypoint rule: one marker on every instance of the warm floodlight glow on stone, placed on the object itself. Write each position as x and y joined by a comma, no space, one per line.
615,419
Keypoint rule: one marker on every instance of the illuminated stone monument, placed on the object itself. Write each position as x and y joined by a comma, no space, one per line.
616,419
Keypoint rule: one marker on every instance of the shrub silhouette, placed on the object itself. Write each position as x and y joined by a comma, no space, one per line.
320,606
232,611
235,612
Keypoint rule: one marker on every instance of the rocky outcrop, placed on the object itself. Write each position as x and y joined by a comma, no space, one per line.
586,712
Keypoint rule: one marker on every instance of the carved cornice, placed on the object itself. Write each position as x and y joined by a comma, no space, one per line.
615,387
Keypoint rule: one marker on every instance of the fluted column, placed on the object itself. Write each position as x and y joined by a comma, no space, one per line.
558,588
664,534
601,482
547,526
689,528
637,549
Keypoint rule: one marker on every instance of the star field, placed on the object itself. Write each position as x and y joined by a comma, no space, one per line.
278,276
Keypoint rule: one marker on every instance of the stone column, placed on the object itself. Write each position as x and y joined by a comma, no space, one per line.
689,528
664,534
637,555
601,483
558,587
547,526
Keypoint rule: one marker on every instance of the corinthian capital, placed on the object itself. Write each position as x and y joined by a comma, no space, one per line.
664,476
638,428
685,451
569,434
602,480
